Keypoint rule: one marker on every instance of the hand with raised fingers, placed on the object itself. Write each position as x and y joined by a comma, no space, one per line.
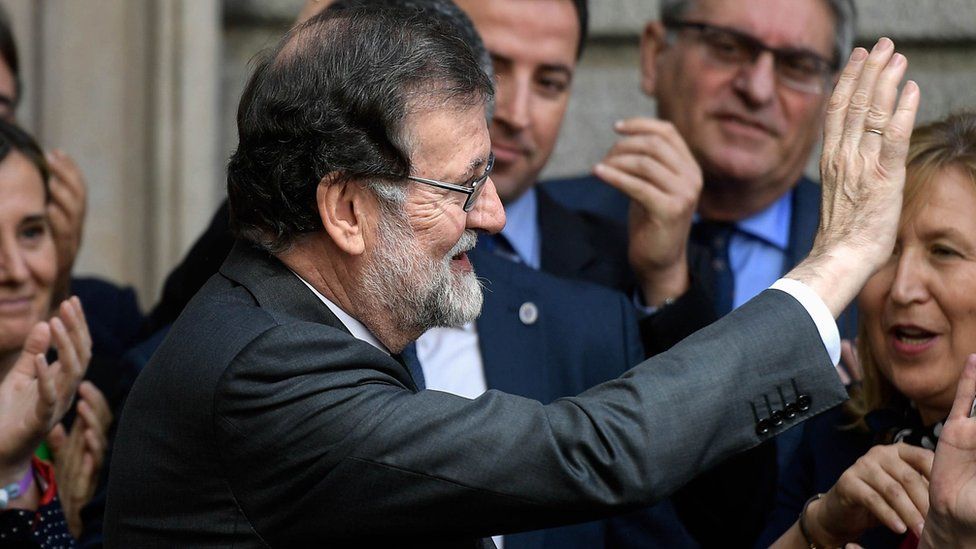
35,395
951,521
78,456
866,134
888,485
653,166
66,212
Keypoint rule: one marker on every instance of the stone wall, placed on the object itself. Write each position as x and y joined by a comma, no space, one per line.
938,36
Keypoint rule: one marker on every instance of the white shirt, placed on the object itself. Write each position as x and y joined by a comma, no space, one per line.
355,327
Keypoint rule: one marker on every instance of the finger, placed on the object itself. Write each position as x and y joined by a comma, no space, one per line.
647,169
962,406
93,397
83,326
898,132
869,498
912,482
56,440
840,98
46,389
883,102
74,321
889,479
841,372
920,459
67,354
634,187
95,446
657,147
664,129
863,97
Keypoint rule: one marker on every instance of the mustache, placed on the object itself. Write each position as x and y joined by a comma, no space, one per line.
467,241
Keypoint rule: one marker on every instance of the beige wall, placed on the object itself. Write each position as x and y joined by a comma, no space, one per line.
144,92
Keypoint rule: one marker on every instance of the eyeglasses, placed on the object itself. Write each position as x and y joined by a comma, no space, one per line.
473,189
798,69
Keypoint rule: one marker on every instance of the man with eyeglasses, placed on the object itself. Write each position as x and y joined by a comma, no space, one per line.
743,85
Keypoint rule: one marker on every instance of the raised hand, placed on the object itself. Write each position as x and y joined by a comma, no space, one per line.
66,213
653,166
866,135
35,395
951,521
78,456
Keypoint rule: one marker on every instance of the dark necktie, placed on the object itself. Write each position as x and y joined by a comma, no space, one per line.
714,236
409,359
499,245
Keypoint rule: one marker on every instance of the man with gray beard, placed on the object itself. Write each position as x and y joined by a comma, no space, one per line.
276,412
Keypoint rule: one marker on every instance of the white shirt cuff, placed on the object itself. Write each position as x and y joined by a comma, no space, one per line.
817,310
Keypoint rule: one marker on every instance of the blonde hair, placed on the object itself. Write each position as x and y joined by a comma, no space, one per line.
948,143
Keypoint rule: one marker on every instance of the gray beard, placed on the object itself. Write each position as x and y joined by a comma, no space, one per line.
415,292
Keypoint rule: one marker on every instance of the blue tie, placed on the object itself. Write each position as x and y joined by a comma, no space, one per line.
410,360
499,245
714,236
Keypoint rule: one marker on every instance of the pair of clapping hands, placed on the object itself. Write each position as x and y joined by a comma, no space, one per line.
35,395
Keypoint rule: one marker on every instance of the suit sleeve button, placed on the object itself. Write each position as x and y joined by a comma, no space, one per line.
776,418
762,427
803,402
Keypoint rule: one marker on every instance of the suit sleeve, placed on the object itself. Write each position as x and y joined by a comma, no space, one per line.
392,464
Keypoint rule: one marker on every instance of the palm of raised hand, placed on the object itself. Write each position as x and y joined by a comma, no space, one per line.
953,485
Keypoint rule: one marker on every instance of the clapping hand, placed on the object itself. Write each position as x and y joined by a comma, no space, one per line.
35,395
78,456
67,214
654,167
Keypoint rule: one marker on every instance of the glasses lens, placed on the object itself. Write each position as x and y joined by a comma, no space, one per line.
475,193
802,71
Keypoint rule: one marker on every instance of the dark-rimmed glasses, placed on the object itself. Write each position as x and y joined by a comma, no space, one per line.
798,69
472,189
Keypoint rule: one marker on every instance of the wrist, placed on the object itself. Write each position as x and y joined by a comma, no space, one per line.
835,275
663,285
812,525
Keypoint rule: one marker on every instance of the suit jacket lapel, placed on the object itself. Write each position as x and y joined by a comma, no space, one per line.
566,250
804,219
506,342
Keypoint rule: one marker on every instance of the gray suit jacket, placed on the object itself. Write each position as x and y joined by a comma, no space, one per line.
261,422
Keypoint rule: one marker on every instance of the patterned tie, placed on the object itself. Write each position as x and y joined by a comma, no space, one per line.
409,359
714,236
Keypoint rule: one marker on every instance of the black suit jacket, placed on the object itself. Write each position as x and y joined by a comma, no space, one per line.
261,422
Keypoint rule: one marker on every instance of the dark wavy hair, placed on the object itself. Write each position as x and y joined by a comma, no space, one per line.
13,138
331,99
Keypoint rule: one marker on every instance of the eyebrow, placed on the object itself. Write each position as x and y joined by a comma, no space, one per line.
35,218
473,169
547,67
951,233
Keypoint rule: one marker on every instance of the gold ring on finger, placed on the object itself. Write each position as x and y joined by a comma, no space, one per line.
874,130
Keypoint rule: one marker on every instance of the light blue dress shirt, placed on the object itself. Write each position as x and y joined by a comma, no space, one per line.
758,249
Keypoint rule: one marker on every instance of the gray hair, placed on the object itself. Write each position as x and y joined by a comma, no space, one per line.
845,22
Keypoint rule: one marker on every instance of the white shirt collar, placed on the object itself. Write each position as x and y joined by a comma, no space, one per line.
355,327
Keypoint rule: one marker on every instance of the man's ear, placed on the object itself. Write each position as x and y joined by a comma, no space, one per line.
654,41
343,205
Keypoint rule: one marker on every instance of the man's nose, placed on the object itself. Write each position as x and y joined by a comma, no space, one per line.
488,213
513,102
756,82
